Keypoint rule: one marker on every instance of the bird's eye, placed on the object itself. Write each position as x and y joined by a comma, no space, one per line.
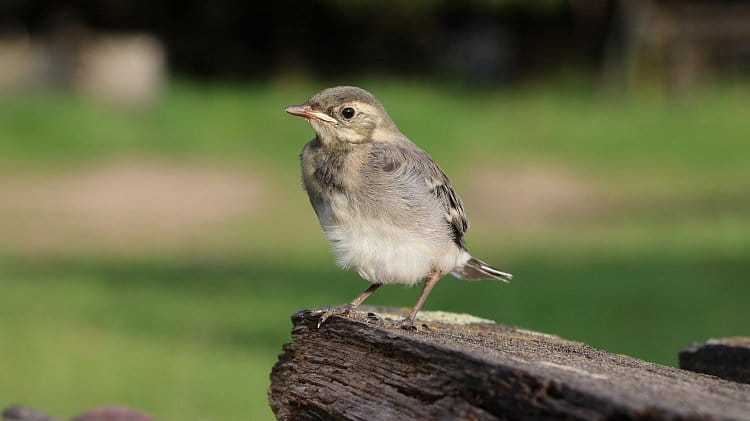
348,112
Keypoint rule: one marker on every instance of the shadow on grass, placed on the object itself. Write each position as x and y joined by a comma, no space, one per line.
648,308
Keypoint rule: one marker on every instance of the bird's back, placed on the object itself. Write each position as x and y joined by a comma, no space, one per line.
399,184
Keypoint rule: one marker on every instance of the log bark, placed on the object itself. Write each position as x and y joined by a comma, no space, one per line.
728,358
364,367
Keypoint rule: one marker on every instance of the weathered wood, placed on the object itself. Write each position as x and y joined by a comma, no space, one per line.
459,367
728,358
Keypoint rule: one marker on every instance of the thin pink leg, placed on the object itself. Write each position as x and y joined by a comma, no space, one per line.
429,283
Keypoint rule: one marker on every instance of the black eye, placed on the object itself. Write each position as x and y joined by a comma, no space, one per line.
348,112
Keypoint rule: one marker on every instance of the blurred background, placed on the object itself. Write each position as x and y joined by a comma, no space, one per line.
155,238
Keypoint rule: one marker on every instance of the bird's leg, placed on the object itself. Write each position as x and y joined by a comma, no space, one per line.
363,296
408,322
346,308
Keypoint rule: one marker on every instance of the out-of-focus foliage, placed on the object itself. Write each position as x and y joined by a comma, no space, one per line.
421,5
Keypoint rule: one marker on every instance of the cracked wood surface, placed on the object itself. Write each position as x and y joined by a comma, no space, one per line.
459,367
728,358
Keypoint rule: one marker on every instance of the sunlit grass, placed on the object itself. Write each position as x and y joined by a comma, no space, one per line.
705,133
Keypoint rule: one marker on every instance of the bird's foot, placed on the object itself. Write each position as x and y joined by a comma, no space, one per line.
408,324
331,311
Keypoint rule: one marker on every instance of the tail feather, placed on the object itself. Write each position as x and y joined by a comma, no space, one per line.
475,269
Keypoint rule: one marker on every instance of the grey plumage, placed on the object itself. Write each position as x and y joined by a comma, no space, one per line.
385,204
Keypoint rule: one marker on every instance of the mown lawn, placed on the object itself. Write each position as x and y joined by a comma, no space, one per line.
196,341
706,133
193,337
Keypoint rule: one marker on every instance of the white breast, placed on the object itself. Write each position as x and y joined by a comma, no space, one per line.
382,252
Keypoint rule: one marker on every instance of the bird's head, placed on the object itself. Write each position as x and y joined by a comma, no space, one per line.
346,115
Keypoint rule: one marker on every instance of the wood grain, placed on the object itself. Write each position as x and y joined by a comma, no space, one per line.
367,368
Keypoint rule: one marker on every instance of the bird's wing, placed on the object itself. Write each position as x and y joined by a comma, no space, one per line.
417,166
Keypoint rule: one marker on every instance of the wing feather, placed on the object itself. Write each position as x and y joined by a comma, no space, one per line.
423,170
454,208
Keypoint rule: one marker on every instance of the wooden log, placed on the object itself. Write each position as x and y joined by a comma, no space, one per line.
728,358
461,367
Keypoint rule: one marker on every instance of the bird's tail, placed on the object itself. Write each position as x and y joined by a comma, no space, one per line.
475,269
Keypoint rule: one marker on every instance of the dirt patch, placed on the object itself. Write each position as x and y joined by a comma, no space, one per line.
132,203
532,195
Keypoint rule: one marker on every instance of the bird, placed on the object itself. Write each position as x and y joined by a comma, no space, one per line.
387,208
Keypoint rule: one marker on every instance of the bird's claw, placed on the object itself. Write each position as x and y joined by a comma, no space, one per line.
408,324
339,310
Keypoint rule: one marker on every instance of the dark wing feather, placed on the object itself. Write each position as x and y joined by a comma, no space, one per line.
455,214
424,170
440,186
409,159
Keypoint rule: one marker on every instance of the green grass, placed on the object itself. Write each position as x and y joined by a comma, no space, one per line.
194,338
75,341
196,341
706,134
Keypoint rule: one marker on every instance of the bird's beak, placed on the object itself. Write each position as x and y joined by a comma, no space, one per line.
309,112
